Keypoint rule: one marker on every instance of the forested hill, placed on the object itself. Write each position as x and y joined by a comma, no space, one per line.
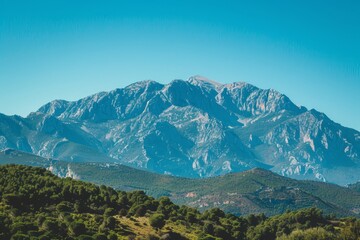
254,191
35,204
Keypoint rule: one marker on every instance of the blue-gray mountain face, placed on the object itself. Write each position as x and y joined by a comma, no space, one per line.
194,128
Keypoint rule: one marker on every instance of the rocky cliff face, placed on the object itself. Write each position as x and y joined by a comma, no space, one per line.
194,128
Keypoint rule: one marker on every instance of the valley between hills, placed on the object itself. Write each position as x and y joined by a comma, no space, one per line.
252,191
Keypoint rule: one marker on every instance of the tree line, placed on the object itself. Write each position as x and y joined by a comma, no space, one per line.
35,204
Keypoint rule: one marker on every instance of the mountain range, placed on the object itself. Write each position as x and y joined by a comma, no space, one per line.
194,128
248,192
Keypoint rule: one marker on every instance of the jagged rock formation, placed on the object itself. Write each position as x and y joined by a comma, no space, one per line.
194,128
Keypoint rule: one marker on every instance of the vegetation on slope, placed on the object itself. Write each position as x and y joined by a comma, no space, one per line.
255,191
35,204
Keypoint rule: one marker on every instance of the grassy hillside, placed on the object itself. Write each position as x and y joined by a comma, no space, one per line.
254,191
35,204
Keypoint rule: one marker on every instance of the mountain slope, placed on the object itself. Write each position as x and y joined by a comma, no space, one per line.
194,128
35,204
355,186
253,191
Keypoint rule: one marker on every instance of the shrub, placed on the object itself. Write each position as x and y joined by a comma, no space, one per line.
99,236
77,228
157,220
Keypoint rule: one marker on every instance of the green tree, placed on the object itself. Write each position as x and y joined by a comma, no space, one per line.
309,234
77,228
157,220
100,236
20,236
220,232
109,212
64,206
110,222
50,226
84,237
208,228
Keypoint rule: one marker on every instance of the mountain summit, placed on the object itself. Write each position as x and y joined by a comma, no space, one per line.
193,128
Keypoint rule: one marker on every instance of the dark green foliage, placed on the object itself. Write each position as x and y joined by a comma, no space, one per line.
77,228
220,232
100,236
50,225
110,222
310,234
152,237
112,236
172,236
109,212
287,223
258,190
213,214
208,228
157,220
85,237
191,217
34,204
64,207
20,236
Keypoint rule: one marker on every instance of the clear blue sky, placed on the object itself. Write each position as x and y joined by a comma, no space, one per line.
68,49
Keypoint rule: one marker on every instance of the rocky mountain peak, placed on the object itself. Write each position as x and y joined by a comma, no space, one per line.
201,81
193,128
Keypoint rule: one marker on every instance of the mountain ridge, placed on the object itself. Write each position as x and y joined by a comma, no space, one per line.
194,128
253,191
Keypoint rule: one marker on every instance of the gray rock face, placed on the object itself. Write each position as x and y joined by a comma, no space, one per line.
194,128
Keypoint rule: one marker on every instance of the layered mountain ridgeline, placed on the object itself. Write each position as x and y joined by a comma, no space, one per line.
253,191
355,186
191,128
35,204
